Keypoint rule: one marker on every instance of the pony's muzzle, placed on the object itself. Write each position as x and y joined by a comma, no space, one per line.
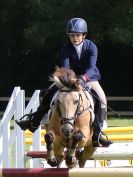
67,130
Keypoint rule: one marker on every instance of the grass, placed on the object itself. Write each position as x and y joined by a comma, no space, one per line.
119,122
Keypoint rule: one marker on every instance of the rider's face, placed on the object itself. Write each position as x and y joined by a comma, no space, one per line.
76,38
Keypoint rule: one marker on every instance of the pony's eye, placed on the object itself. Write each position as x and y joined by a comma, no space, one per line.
75,101
58,102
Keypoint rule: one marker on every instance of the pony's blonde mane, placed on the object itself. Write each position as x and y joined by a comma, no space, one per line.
65,77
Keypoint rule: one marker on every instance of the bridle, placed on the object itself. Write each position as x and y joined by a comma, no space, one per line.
78,112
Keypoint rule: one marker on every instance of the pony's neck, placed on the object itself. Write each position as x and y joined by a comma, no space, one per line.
67,89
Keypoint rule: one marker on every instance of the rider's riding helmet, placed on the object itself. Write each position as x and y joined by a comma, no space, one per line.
76,25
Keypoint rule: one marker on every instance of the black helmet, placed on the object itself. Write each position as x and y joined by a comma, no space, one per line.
76,25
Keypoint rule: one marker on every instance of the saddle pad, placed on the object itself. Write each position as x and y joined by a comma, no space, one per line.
91,109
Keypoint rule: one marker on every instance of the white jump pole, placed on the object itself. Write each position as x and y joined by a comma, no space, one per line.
101,172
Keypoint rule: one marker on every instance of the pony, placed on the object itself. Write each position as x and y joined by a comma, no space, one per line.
69,134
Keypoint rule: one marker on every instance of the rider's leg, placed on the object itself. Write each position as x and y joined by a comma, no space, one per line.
101,114
32,121
98,139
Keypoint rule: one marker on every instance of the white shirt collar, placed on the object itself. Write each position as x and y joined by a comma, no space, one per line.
79,49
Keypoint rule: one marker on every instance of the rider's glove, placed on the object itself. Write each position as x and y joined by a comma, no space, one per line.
82,80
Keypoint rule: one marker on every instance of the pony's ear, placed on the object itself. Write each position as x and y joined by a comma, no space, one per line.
77,82
51,78
73,80
77,85
57,82
56,67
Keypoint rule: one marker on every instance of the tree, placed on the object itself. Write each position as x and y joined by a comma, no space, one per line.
32,33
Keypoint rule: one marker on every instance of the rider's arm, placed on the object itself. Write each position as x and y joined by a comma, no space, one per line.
64,58
91,68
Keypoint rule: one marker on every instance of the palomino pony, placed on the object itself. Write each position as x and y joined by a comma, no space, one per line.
69,134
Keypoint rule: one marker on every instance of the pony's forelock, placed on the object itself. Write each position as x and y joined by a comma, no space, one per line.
65,77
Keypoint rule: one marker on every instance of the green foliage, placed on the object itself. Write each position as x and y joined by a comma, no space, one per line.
105,18
121,18
32,33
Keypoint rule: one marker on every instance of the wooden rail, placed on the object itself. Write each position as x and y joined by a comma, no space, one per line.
109,99
66,172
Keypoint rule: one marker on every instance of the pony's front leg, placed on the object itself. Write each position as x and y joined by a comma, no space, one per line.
51,159
86,154
71,160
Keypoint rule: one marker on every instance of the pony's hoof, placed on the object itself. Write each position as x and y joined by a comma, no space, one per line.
52,162
71,161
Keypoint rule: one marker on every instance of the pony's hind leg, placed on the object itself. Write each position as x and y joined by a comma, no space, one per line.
71,160
51,159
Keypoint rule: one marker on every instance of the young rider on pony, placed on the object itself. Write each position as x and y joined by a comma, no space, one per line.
80,55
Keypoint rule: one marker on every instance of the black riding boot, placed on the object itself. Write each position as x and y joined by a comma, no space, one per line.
98,139
32,121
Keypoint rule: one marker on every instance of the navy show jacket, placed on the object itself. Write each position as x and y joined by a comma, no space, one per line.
86,64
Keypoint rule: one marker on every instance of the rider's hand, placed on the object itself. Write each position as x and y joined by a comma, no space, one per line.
82,80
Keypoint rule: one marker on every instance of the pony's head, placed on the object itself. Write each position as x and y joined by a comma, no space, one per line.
71,99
